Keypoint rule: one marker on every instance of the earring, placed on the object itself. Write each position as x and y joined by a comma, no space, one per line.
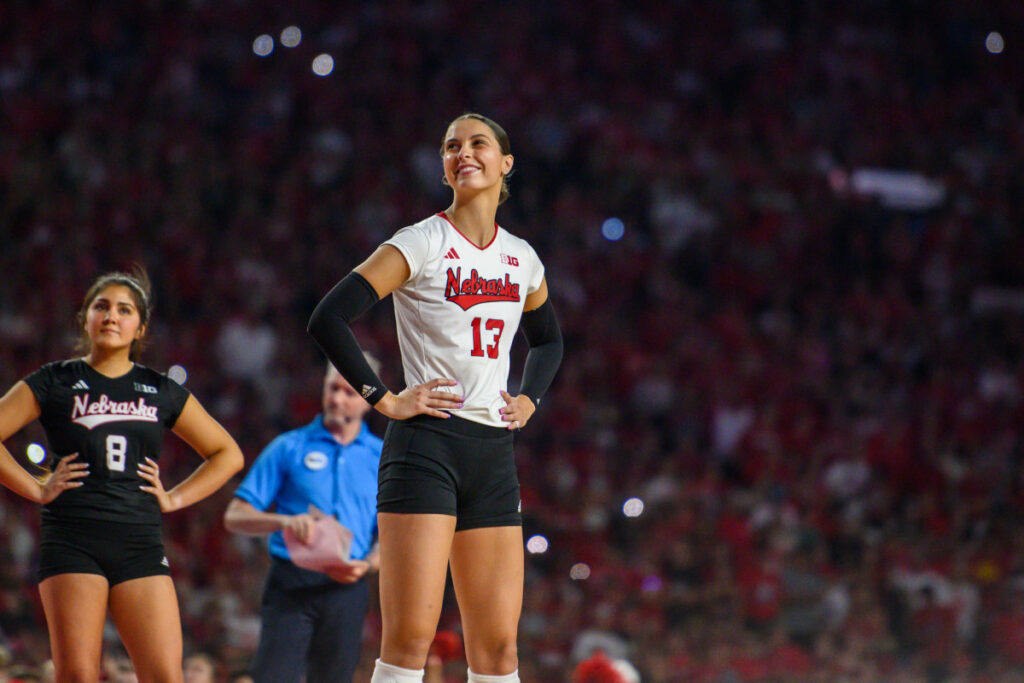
444,181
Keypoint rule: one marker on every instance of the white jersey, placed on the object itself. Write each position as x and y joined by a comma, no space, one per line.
460,308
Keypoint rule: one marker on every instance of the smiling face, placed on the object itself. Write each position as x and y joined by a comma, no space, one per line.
112,319
474,161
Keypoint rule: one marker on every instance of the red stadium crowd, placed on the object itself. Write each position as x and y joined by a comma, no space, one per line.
812,385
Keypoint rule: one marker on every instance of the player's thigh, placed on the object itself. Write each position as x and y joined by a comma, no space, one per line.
413,567
487,572
76,609
145,611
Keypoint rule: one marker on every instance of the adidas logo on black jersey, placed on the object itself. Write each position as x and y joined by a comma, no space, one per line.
80,384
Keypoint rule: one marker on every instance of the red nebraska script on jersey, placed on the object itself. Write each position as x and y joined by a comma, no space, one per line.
477,290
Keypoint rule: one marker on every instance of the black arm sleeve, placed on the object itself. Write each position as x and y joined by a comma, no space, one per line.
545,339
330,327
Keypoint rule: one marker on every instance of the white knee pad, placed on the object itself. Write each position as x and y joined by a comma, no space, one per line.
388,673
481,678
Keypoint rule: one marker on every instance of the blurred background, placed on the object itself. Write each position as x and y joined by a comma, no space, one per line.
785,241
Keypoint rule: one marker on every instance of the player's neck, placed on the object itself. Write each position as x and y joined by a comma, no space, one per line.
474,219
109,364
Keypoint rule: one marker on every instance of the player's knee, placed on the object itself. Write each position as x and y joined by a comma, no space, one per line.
77,673
496,657
412,645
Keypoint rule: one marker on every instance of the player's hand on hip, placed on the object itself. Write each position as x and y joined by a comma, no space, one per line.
517,410
303,526
63,477
422,399
150,471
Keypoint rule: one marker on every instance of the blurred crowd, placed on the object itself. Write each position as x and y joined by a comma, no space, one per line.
813,394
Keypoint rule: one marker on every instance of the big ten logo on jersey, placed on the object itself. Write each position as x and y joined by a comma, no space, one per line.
509,260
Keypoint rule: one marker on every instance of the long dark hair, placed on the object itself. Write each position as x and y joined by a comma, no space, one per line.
138,283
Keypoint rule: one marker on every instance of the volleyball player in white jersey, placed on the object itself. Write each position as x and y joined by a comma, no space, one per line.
447,487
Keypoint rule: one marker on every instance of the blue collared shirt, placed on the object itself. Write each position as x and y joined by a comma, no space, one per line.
307,466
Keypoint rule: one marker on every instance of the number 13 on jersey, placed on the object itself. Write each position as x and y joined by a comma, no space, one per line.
492,329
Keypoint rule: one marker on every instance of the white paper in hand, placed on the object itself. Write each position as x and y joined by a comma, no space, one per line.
328,547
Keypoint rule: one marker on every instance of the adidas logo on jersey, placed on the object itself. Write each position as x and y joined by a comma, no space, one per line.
164,562
367,390
452,253
80,384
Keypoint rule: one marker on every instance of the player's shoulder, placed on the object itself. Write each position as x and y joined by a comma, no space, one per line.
59,370
423,241
150,377
516,244
64,366
508,238
431,226
146,380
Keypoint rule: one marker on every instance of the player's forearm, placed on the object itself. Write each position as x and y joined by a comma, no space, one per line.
208,477
545,338
14,477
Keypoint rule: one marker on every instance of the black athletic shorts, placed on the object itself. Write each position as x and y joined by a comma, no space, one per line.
116,550
450,467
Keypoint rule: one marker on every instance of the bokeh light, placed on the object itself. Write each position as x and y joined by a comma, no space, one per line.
579,572
35,453
537,544
613,229
178,374
291,36
994,42
634,507
323,65
263,45
651,583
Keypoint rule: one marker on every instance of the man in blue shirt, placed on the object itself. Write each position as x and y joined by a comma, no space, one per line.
312,623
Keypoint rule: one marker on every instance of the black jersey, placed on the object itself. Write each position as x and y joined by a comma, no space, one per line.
113,424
